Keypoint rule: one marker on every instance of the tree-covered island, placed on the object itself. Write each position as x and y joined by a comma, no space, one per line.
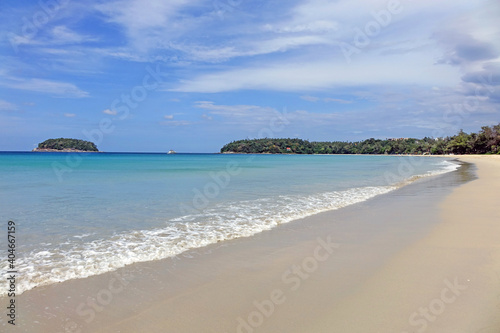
487,141
66,145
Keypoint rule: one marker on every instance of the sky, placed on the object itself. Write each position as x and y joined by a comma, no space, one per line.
193,75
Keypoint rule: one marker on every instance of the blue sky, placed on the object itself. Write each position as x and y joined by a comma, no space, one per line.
192,75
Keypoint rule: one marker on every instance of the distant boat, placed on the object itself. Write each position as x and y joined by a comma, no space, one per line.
172,152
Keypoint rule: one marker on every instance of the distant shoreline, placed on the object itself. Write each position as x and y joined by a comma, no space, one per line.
66,150
295,154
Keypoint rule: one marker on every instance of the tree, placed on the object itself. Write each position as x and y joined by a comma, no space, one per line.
460,144
63,143
487,141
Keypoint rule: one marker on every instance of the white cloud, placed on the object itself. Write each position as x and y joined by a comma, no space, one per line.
149,25
70,115
110,112
137,15
324,74
470,40
174,31
160,26
58,35
402,52
248,48
337,100
16,40
326,100
310,98
234,110
320,26
169,116
54,88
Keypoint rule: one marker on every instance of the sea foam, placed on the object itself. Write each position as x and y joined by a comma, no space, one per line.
78,258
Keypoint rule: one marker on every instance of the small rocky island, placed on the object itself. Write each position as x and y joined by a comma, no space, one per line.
66,146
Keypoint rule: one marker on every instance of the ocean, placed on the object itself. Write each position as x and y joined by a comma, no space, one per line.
83,214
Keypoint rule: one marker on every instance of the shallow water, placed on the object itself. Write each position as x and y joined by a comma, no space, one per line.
79,215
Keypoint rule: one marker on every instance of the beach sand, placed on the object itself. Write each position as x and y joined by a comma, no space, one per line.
448,281
423,258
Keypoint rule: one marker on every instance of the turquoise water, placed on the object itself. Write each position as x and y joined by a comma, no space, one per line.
79,215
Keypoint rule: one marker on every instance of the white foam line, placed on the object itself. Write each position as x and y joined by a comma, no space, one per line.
224,222
221,223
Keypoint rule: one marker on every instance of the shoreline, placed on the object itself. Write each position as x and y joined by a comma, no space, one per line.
372,260
447,281
213,278
419,155
44,150
353,195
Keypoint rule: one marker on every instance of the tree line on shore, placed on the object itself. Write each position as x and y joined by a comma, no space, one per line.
486,141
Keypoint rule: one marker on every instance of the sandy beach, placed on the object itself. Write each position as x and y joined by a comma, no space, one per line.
448,281
423,258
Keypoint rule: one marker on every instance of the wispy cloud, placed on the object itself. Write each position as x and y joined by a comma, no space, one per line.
58,35
250,117
383,59
234,110
247,48
314,26
310,98
53,88
168,116
322,74
176,123
151,25
326,100
63,35
254,119
337,100
162,27
6,106
70,115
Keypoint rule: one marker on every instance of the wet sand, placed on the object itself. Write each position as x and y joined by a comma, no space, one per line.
423,258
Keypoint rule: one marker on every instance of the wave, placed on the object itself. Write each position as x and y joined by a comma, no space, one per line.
80,259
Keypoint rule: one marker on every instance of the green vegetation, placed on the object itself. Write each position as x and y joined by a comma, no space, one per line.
487,141
67,144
